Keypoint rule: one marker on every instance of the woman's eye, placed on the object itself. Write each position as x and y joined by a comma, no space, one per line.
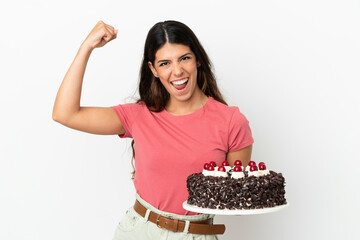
163,64
185,58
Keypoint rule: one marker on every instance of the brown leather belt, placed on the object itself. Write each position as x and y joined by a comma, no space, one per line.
175,225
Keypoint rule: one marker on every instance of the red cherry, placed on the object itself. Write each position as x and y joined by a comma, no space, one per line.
262,167
210,168
212,163
237,163
261,163
206,166
237,169
252,163
225,163
253,168
221,169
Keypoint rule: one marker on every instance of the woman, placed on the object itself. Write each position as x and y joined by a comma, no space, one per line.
179,123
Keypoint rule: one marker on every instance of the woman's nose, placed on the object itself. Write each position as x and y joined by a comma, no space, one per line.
178,70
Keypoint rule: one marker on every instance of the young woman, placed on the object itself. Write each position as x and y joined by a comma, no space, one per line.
180,122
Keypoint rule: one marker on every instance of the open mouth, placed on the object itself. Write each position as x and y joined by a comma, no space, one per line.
180,85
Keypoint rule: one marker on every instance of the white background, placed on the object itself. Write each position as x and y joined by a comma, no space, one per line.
292,67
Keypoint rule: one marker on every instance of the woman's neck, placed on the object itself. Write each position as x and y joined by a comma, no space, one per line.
191,105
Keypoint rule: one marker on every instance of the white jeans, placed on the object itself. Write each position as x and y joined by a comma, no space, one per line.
134,227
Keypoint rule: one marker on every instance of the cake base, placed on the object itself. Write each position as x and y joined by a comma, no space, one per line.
247,193
236,212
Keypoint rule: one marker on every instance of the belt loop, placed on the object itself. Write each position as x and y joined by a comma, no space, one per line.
186,228
147,215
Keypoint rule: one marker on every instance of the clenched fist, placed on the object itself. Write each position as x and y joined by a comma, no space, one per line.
100,35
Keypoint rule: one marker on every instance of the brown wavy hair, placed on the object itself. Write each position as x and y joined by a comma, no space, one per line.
151,90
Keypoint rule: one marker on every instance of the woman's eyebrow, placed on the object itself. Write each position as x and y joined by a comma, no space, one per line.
164,60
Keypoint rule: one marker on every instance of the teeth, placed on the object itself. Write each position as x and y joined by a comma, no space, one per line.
180,82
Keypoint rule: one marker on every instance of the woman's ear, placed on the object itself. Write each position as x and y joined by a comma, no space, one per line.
198,64
153,70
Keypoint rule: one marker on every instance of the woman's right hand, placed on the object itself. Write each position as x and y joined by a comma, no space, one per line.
101,34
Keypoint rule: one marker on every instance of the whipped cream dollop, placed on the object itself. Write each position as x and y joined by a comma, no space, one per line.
254,173
237,175
208,173
264,172
214,173
227,168
220,174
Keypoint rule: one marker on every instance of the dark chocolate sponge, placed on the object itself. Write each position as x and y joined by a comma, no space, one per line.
244,193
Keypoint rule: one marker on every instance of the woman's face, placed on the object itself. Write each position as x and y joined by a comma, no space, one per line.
176,67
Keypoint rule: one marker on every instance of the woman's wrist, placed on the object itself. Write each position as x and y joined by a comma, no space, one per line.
86,47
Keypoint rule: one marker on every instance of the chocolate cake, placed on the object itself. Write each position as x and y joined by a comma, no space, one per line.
236,188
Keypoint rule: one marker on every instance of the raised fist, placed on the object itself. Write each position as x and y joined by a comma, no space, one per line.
101,34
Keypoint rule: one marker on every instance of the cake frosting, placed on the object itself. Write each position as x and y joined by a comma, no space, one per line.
228,187
208,173
221,174
237,175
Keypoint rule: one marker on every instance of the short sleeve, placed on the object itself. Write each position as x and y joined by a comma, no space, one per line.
240,135
127,114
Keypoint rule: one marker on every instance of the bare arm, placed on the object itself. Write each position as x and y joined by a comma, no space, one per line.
244,155
67,109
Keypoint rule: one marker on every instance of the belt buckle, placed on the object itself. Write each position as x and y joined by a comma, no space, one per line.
173,227
157,221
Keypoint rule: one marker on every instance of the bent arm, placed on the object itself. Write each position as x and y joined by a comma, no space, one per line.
67,102
67,110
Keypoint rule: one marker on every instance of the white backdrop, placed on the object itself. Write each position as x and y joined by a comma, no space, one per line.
291,67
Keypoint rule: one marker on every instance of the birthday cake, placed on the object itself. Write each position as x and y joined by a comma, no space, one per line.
234,188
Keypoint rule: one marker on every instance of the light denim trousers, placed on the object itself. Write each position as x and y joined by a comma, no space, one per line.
134,227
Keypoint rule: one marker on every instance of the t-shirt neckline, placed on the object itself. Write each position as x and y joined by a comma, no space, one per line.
166,113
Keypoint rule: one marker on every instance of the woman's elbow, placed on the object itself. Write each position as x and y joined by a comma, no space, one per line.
57,117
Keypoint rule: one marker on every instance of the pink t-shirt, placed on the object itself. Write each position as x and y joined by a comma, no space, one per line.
169,148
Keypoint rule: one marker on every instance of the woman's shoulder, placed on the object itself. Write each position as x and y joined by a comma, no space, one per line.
222,108
132,108
230,115
137,104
